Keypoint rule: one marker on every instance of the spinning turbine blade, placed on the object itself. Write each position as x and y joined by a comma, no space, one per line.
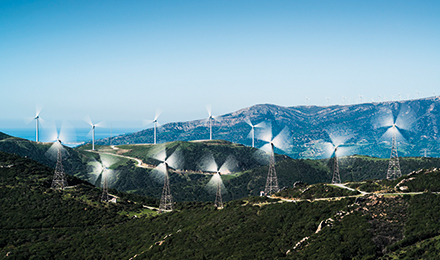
208,164
266,133
208,108
175,160
282,140
213,184
161,155
229,166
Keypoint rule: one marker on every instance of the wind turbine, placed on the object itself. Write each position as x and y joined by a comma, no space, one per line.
281,141
210,119
37,119
215,184
394,124
337,146
57,151
174,161
102,173
89,121
155,124
252,132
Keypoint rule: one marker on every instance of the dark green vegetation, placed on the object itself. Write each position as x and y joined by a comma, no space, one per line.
40,223
311,126
250,179
73,164
359,168
31,213
189,184
315,191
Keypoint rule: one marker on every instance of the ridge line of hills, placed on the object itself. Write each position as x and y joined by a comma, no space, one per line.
311,126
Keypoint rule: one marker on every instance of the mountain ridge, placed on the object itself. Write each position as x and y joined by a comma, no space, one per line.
309,125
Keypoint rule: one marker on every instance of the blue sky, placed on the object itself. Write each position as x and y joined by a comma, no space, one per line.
119,61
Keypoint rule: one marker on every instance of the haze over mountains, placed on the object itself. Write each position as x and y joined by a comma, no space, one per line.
363,126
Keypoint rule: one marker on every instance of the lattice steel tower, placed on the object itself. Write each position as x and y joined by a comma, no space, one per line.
105,197
394,165
336,177
166,201
59,177
218,195
272,181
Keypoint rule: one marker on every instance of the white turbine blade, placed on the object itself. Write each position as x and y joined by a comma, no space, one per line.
158,173
28,119
217,118
384,118
229,166
283,139
345,150
97,166
260,125
212,185
267,148
38,109
388,135
158,112
109,174
158,152
175,160
88,120
52,152
208,108
208,164
94,169
406,117
108,160
100,124
67,133
250,133
147,122
248,122
328,148
339,137
51,133
160,155
266,133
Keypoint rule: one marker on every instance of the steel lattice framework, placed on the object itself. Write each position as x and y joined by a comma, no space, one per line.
59,177
218,196
105,197
394,165
336,176
272,181
166,201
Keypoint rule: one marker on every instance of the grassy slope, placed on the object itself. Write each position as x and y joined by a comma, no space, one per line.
39,222
73,164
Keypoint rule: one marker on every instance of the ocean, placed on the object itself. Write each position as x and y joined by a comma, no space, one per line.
77,137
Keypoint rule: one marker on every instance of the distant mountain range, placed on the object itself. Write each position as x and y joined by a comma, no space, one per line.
311,128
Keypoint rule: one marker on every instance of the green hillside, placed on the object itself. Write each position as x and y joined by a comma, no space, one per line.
37,151
40,223
189,183
250,178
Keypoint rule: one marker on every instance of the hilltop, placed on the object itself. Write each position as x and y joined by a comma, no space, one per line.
311,126
328,223
189,183
37,151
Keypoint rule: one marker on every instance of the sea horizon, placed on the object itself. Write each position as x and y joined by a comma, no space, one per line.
79,137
